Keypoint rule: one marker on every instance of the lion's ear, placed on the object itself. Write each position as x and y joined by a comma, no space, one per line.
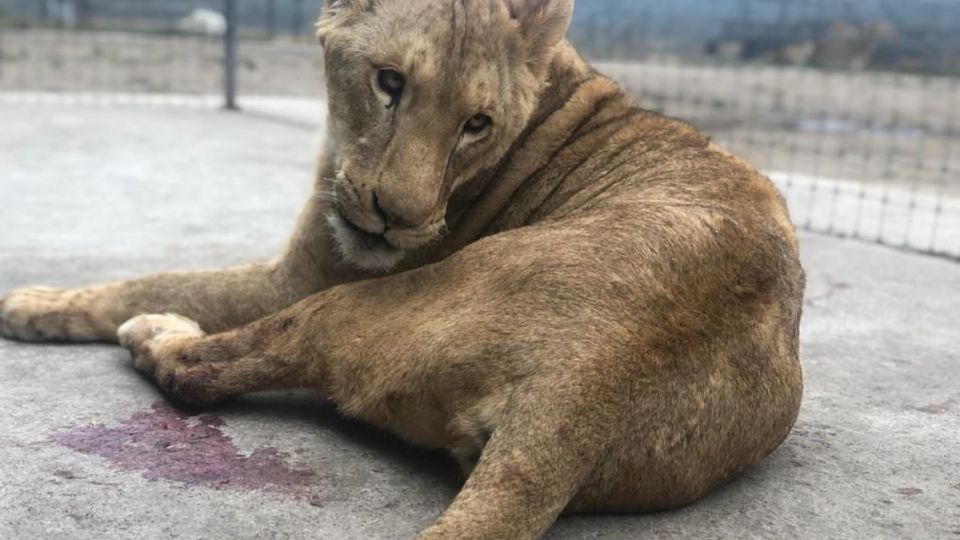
543,24
336,9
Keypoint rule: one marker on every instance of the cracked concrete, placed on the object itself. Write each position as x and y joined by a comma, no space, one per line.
102,193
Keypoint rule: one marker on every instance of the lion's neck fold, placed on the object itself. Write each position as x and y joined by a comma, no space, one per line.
506,196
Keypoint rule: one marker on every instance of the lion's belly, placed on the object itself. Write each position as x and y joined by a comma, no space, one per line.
454,421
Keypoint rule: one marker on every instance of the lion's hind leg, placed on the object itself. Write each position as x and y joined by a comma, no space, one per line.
553,433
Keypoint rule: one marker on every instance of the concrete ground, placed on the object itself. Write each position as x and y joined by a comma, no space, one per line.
89,450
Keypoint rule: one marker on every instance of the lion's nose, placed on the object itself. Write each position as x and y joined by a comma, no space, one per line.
390,216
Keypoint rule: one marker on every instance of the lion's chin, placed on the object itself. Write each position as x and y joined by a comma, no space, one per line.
361,249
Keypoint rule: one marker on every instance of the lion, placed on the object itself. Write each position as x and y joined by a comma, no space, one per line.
590,305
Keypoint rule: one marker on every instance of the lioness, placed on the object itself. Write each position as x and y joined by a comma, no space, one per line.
590,305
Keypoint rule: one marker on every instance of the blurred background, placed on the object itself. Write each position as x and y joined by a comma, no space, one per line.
850,106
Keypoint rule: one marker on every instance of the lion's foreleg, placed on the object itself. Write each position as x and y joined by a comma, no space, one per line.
218,300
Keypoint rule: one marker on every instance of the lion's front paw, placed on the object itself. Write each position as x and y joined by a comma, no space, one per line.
46,314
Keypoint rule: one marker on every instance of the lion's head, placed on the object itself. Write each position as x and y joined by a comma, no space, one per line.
423,94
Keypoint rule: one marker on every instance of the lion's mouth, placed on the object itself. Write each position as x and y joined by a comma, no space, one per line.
365,250
367,239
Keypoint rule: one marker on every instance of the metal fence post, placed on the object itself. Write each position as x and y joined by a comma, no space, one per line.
272,18
230,56
298,17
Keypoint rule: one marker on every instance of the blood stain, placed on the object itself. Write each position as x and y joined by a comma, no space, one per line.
164,444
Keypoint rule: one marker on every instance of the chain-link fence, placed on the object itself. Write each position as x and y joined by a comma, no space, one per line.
849,105
172,47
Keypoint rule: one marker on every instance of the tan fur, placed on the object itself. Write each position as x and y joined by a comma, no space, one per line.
591,306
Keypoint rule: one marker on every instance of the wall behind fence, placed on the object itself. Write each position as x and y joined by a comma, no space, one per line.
850,106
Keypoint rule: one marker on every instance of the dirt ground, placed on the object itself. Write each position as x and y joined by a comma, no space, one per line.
877,128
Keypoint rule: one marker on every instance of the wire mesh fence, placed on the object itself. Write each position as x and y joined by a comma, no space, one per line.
105,47
849,105
157,46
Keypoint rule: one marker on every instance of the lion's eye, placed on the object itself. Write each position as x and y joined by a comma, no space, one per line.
391,82
478,124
